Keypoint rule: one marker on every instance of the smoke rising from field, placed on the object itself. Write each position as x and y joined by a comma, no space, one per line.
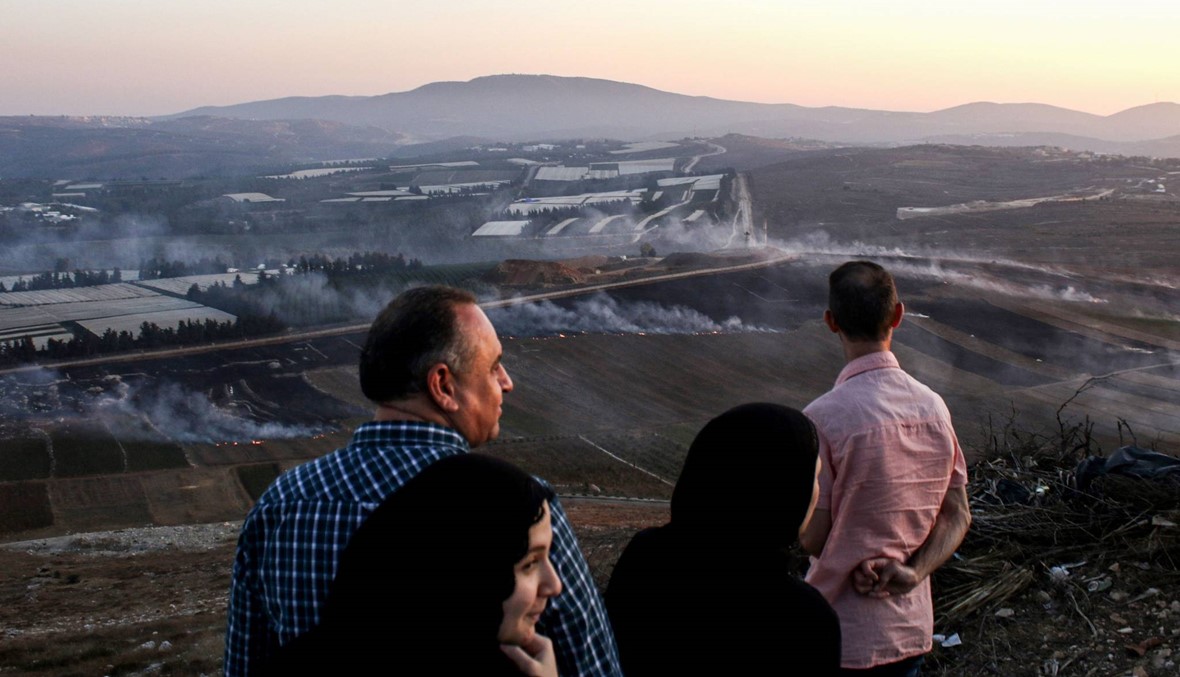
309,298
603,314
939,265
185,415
175,412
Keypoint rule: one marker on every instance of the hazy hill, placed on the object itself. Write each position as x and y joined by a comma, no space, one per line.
114,147
445,116
516,107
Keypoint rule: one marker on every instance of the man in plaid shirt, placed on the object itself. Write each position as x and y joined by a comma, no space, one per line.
431,362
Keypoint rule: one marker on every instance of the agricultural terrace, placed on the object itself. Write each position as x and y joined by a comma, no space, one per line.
531,205
604,170
644,146
316,173
618,212
59,314
180,285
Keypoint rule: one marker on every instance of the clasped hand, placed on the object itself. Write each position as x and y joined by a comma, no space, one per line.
881,577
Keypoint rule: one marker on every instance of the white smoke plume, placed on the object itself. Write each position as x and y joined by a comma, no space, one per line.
939,265
146,411
184,415
603,314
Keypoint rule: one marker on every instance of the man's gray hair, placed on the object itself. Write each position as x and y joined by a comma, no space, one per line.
416,331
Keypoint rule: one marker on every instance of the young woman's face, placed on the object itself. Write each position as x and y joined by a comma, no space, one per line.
536,582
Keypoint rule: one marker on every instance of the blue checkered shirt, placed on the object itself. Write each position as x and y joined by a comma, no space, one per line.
292,540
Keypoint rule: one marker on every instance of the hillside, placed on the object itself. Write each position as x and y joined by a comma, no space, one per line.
193,146
519,107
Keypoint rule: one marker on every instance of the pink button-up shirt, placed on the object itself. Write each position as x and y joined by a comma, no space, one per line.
889,456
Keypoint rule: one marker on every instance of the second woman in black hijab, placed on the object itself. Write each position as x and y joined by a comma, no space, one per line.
711,592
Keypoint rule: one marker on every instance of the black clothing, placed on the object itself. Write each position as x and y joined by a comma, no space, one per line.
711,592
421,586
678,609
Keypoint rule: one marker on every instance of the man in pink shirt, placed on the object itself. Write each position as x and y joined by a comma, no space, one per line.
893,500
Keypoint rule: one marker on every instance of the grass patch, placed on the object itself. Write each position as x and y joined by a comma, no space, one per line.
153,455
81,450
23,458
256,478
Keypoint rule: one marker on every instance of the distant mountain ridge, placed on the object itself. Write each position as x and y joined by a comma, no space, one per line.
445,116
529,107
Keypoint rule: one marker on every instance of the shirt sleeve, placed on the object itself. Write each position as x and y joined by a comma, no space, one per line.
959,471
247,634
576,620
827,472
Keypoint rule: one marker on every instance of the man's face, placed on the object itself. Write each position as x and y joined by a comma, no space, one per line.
480,387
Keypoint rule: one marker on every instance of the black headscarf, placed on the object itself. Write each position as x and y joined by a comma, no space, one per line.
421,585
712,592
749,472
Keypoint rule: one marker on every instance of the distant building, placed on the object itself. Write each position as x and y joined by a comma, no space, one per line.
251,198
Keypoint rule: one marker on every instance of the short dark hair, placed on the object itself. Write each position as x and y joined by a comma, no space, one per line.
414,332
862,296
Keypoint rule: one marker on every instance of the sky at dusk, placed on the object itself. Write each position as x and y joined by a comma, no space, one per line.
150,57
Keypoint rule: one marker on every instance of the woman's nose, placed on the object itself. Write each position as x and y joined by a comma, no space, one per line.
552,582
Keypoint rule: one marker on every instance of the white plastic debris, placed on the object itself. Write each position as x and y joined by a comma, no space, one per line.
1100,585
951,641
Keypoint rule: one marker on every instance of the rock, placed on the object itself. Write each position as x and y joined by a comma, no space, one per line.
165,645
1005,613
148,645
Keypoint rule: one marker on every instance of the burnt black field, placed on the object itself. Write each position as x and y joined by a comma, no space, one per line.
262,383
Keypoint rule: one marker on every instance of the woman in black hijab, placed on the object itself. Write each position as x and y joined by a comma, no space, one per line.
448,569
711,592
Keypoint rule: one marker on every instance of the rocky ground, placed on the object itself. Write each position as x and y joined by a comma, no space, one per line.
152,601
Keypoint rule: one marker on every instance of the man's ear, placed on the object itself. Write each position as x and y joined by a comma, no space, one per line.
830,320
898,313
440,387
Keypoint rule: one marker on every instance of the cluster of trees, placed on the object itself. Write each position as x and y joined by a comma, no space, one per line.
157,268
187,332
62,280
359,263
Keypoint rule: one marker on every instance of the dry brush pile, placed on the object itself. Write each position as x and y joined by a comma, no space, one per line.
1061,577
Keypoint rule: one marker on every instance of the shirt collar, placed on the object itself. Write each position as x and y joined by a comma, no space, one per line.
879,360
408,434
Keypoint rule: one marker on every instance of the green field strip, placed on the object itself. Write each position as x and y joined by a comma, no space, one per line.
78,453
